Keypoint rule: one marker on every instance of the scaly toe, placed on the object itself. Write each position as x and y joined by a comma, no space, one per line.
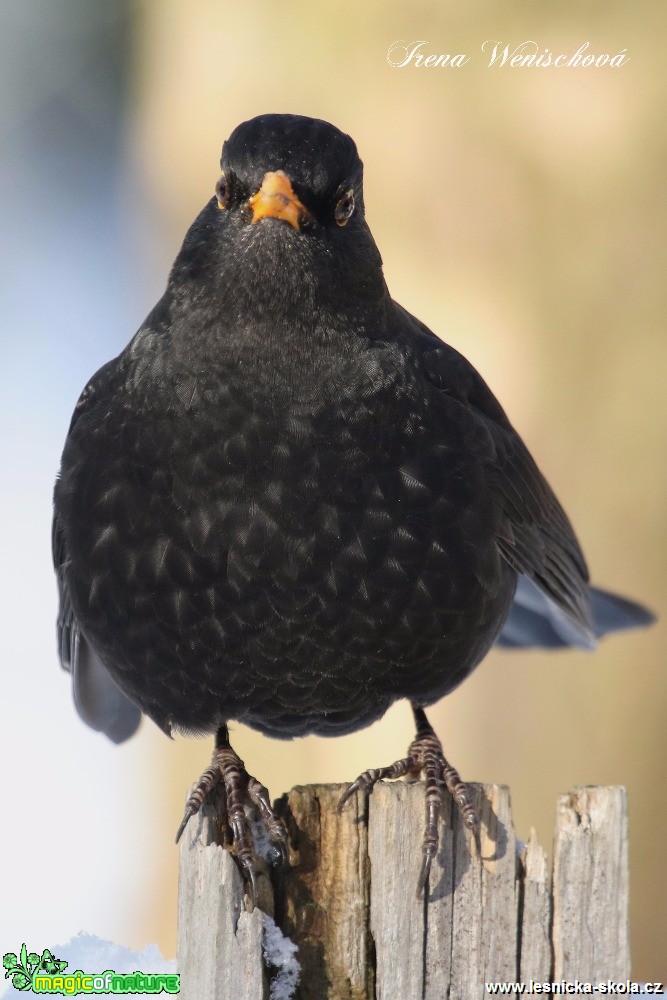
240,788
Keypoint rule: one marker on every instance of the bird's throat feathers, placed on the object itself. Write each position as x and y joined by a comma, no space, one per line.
258,283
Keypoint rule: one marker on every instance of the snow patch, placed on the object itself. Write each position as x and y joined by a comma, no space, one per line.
280,954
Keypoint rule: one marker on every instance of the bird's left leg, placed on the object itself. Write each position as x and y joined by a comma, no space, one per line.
240,787
424,754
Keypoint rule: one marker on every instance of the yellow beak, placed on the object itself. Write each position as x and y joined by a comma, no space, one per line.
276,200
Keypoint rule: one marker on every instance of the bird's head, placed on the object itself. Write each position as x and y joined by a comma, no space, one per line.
287,215
301,171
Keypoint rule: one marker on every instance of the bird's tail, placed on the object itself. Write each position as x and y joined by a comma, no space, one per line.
535,620
612,613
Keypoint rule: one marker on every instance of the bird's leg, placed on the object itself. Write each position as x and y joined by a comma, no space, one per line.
240,787
424,754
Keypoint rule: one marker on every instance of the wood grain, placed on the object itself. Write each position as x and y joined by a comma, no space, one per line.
350,901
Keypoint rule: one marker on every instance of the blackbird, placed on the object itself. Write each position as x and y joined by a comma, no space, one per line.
288,503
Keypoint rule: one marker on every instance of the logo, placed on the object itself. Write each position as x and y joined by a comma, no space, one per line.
46,974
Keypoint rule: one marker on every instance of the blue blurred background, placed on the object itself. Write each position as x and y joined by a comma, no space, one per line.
521,214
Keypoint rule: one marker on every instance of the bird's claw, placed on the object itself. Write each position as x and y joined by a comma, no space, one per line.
211,777
250,878
425,755
184,822
274,824
363,783
240,787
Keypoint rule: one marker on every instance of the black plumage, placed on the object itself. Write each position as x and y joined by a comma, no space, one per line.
287,502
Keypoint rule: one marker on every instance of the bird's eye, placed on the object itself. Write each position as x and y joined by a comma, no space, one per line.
222,191
344,208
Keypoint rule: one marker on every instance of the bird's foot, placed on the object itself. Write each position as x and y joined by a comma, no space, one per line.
425,755
226,767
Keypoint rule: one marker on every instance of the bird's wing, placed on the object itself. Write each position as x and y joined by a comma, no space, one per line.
534,534
99,701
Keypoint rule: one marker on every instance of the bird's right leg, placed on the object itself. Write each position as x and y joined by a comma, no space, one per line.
240,788
425,755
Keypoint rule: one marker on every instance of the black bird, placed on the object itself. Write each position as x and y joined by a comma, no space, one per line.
288,503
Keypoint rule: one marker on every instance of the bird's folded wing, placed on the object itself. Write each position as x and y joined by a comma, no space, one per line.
534,534
99,701
536,537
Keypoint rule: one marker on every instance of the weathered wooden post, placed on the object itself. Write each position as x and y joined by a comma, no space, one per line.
346,920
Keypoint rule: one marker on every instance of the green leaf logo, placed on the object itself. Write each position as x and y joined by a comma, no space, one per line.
22,968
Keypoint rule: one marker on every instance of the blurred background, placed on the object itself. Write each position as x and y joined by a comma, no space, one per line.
521,214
